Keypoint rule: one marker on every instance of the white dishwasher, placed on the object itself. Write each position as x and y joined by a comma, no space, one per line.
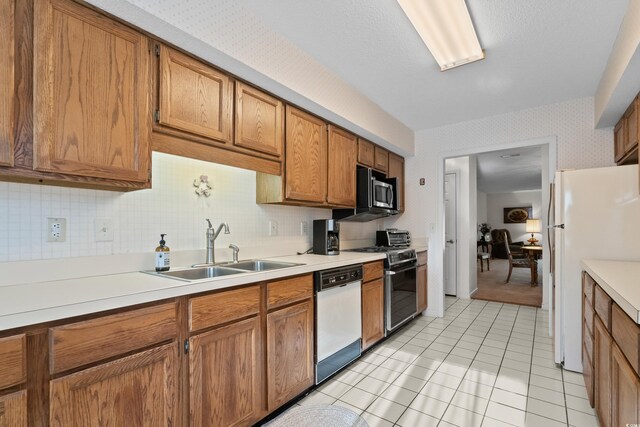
338,319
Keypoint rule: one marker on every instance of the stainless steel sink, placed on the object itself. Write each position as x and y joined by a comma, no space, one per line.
200,273
260,265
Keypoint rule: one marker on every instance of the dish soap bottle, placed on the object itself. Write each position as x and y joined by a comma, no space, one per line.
162,255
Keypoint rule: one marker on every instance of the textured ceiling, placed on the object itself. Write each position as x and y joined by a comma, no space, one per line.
342,54
497,174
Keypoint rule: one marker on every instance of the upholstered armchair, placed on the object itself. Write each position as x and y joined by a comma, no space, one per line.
498,249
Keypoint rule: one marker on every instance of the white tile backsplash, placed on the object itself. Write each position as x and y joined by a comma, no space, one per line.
170,207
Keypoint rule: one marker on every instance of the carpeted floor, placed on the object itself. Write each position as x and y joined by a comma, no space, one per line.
491,286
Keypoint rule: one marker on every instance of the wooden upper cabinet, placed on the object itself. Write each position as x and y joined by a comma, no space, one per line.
259,121
7,95
194,97
631,123
226,375
396,170
305,157
91,96
341,173
365,153
618,140
138,390
381,159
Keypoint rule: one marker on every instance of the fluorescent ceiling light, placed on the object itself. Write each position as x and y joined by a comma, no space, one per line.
446,28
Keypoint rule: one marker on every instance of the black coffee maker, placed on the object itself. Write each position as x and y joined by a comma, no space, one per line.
326,237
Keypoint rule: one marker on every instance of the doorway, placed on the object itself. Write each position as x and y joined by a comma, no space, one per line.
450,233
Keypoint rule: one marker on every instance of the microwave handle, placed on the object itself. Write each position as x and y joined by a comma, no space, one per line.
390,195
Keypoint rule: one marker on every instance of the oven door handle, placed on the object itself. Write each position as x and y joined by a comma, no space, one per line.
402,270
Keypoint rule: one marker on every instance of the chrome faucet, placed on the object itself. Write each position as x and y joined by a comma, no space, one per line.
235,252
211,238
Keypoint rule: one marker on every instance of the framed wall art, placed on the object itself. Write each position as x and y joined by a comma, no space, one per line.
517,215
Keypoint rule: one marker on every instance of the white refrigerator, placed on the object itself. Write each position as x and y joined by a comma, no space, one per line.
599,210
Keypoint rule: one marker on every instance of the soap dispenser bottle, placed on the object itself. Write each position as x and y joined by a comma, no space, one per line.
162,255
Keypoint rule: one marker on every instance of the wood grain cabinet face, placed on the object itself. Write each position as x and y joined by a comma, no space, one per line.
421,278
396,170
194,97
601,366
625,391
372,312
7,95
289,353
13,368
139,390
226,375
365,153
13,409
91,97
259,121
342,153
618,140
631,123
305,157
381,161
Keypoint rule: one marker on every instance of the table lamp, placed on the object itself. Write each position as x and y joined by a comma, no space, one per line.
533,226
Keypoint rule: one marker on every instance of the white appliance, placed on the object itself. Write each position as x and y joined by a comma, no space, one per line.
596,217
338,319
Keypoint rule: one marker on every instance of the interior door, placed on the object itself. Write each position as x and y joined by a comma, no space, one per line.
450,235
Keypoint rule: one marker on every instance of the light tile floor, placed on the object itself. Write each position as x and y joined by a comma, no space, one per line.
482,364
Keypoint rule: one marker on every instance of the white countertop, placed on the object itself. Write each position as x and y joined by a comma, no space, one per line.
32,303
619,279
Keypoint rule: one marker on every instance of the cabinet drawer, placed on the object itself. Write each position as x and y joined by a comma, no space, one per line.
286,291
587,342
626,334
587,315
422,258
587,372
12,360
588,286
223,307
602,304
92,340
372,271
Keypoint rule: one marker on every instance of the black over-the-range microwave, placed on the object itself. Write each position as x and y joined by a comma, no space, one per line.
375,197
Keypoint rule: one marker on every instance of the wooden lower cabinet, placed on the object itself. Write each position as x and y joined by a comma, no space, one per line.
138,390
601,365
13,409
289,353
226,375
372,312
421,279
625,391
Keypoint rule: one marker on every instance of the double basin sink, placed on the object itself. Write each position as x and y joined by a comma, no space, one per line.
226,269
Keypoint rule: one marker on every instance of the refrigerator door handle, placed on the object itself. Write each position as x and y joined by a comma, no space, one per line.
556,226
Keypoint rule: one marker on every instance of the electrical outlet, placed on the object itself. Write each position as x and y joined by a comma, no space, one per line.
304,228
103,230
56,229
273,228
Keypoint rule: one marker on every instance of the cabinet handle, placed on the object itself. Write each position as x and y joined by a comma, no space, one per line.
186,346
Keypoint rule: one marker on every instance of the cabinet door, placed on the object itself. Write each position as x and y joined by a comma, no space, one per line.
381,159
421,278
13,409
194,97
396,170
7,96
625,391
305,157
619,140
225,375
341,181
259,121
365,153
372,313
631,131
91,98
289,353
136,391
601,366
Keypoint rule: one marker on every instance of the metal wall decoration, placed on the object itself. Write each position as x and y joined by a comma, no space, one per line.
203,188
